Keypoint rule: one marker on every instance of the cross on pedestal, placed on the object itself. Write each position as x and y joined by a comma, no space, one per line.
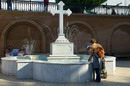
62,49
61,12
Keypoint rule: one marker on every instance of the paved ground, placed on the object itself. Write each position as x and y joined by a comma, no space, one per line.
120,78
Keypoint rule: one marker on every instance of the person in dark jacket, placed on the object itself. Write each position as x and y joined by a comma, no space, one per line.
46,5
0,4
95,59
9,5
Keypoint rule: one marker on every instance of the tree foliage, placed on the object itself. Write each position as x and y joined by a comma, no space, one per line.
78,6
83,1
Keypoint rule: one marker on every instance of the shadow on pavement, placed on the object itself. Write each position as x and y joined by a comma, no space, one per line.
124,63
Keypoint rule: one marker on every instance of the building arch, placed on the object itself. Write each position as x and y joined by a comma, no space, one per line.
15,22
113,29
80,33
94,33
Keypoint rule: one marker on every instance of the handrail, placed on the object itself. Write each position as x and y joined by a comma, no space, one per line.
28,6
76,8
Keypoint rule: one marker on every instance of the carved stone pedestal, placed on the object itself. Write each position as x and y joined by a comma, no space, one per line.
62,51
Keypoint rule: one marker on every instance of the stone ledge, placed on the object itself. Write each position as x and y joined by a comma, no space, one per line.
73,63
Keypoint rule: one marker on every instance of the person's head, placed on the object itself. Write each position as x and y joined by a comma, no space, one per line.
93,41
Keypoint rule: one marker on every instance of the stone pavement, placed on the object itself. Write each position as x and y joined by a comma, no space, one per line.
121,77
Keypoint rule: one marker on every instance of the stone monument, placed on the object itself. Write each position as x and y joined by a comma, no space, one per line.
62,50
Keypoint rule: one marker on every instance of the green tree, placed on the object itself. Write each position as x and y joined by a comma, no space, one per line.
83,1
77,6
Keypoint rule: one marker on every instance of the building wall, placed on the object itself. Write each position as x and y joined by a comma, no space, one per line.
38,30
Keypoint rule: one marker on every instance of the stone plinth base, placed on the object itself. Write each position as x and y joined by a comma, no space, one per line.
61,49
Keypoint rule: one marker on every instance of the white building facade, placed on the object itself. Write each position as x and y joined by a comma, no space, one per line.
113,7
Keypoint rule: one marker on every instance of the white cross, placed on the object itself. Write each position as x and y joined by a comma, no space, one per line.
61,12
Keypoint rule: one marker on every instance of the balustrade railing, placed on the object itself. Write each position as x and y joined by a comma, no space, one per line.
76,8
112,10
28,6
99,9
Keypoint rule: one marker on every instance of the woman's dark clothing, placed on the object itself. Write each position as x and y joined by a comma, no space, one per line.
96,67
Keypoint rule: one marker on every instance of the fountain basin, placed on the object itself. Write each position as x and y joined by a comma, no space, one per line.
52,71
48,71
9,65
62,72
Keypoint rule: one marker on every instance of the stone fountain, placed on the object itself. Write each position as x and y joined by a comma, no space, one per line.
62,49
60,66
